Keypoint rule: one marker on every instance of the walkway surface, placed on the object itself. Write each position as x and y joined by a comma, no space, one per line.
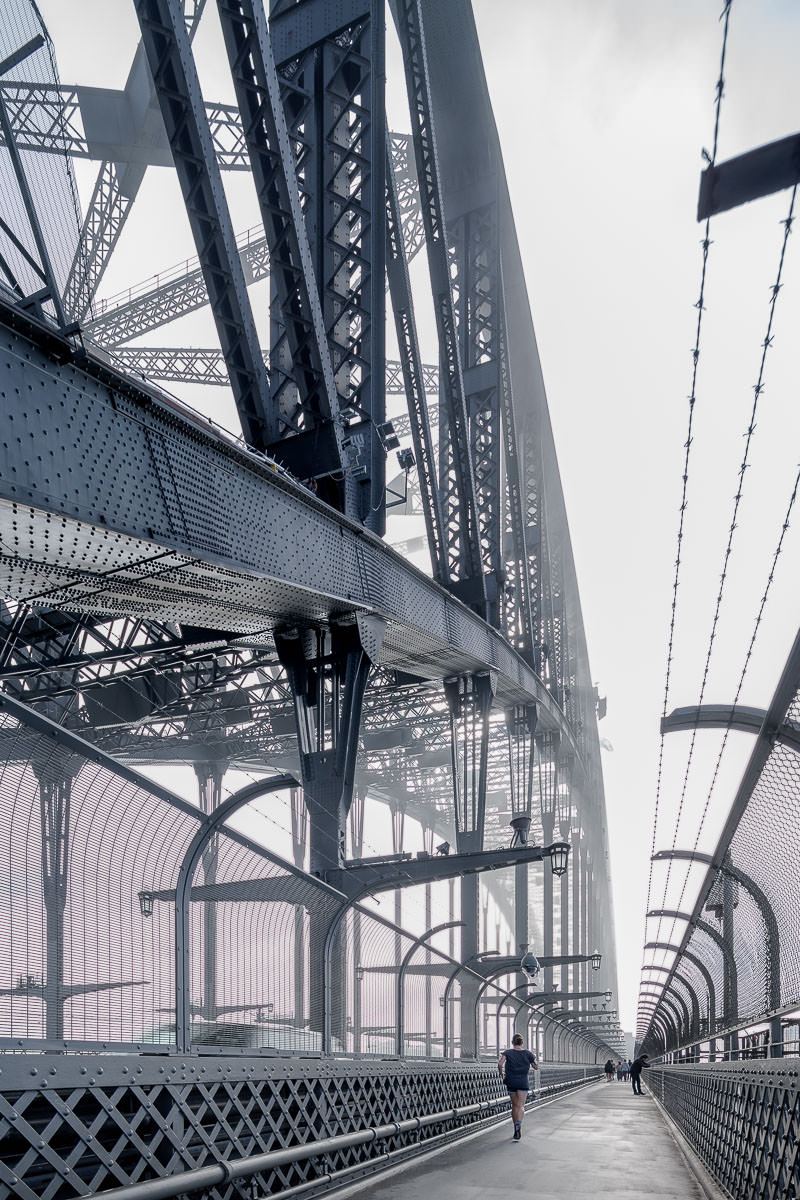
599,1141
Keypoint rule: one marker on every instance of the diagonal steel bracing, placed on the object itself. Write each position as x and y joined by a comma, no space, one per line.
166,43
457,481
303,400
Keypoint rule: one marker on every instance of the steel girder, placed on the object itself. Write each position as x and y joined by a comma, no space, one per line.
414,382
174,73
331,64
153,303
303,394
206,365
177,508
457,478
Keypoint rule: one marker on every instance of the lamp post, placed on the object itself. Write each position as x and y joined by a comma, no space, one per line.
548,746
564,816
595,959
520,728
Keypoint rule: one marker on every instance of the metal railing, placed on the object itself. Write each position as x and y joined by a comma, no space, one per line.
742,1120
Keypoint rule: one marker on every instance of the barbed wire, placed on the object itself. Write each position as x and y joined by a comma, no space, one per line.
758,389
695,352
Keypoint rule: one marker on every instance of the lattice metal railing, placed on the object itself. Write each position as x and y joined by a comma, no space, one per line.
741,1119
72,1125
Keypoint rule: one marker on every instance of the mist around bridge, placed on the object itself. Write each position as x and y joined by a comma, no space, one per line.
603,111
335,735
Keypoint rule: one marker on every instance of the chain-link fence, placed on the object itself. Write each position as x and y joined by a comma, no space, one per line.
738,965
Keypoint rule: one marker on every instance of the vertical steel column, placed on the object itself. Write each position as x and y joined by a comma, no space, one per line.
299,816
209,778
327,672
333,79
469,700
55,792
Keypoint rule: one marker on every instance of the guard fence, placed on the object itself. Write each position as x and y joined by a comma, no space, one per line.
733,989
742,1119
223,1127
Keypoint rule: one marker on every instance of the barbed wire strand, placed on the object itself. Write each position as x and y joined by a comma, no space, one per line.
700,306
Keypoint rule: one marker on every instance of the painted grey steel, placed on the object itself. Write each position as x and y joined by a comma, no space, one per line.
704,971
750,176
295,287
413,381
401,973
213,821
154,1131
753,1155
772,998
458,485
166,43
722,716
267,533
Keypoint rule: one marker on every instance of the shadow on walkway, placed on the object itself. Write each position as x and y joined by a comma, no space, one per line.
599,1141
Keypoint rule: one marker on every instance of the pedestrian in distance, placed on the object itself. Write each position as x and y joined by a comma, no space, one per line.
637,1067
619,1070
626,1070
609,1070
514,1067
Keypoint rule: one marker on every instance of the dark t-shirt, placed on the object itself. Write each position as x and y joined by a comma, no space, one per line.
518,1064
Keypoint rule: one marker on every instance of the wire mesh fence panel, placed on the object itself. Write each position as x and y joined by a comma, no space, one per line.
743,936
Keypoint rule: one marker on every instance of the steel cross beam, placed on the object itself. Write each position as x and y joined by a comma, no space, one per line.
172,67
267,533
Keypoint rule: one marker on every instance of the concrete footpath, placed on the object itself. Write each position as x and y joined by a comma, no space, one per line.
599,1141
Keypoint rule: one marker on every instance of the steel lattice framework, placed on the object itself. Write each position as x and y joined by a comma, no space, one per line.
177,594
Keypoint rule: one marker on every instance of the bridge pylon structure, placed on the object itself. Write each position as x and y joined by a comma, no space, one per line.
246,605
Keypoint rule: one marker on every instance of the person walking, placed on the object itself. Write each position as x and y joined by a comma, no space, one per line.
514,1066
626,1070
619,1070
637,1067
609,1070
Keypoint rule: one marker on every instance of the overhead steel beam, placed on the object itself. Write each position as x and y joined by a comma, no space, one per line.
371,876
174,73
413,382
727,716
749,176
178,509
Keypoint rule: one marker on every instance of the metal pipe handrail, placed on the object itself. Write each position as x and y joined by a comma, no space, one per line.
227,1171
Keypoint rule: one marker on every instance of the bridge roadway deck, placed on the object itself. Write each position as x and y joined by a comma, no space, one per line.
599,1141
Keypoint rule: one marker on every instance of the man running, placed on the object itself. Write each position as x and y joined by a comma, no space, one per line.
514,1066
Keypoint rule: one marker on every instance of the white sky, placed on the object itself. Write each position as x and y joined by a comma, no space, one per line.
603,108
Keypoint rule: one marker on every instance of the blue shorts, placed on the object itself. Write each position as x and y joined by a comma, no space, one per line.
518,1085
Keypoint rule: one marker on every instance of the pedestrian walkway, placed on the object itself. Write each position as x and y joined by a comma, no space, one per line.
599,1141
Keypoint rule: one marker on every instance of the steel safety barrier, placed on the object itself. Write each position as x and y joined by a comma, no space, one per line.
73,1125
742,1119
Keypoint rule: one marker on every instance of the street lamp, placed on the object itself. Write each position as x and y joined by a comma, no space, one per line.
595,959
559,858
146,904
